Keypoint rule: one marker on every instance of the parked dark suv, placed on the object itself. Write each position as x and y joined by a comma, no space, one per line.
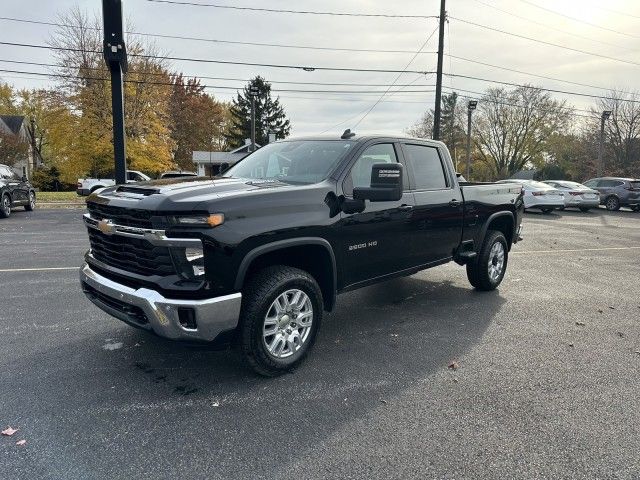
616,192
14,192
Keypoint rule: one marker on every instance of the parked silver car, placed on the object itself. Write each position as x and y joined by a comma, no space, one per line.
576,195
616,192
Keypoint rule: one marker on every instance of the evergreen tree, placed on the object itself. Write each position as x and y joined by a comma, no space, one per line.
270,115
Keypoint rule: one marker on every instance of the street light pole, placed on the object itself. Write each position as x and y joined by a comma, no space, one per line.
471,106
253,91
605,115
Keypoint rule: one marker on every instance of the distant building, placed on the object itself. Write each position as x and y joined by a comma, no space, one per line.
17,126
208,164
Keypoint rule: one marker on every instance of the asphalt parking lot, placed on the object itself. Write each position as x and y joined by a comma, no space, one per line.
547,384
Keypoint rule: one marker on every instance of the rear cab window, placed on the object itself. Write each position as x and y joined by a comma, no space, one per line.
426,167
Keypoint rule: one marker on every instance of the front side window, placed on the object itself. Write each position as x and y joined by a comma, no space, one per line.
427,167
591,183
361,170
299,162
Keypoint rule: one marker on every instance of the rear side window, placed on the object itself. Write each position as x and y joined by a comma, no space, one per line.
427,167
610,183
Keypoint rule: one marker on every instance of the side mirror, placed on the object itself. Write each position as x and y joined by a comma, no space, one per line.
386,184
223,168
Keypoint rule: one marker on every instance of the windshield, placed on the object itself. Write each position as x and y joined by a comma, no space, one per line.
296,162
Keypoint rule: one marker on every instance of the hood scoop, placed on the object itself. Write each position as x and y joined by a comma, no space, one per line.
145,192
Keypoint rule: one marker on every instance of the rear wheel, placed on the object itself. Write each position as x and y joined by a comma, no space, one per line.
5,206
32,202
281,315
612,204
487,270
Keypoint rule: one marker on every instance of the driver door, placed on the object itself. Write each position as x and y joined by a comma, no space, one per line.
373,243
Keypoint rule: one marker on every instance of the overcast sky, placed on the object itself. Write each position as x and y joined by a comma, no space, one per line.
312,113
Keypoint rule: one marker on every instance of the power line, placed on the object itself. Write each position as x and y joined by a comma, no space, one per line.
545,25
397,77
204,77
225,87
594,25
216,41
543,42
552,90
224,62
303,12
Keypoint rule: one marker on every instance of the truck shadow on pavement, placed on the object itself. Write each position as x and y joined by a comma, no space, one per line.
380,341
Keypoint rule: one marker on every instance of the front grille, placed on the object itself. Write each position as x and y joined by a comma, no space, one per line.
120,216
133,313
131,254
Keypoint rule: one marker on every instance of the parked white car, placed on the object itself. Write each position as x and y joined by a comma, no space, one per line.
576,195
539,195
87,186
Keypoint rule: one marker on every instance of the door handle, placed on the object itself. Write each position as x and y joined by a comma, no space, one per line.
454,203
405,208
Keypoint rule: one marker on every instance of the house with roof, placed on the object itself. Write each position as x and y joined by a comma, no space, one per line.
209,164
16,128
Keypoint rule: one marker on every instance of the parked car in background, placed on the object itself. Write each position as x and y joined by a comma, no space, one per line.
616,192
178,174
15,192
87,186
576,195
539,195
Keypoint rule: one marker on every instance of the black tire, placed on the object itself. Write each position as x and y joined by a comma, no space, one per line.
547,211
259,295
635,208
5,206
612,204
29,207
478,269
584,209
562,209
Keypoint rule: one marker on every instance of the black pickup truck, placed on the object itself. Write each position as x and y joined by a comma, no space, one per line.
256,255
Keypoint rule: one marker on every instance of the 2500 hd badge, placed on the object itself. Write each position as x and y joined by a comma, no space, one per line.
256,255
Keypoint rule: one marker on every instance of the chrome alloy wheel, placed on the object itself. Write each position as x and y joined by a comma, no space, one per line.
496,261
32,200
6,205
287,323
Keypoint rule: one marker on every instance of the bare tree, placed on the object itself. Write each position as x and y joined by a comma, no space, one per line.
512,127
622,131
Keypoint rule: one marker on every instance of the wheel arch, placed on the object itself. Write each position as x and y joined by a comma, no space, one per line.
311,254
501,221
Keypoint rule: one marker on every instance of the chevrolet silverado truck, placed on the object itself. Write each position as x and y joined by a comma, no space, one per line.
254,256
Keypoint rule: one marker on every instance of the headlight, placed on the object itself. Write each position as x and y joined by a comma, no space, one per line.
212,220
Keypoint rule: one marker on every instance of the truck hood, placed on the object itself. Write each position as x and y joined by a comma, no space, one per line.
184,194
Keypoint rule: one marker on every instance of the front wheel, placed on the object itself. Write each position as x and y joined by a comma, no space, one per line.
32,202
280,317
487,270
612,204
5,206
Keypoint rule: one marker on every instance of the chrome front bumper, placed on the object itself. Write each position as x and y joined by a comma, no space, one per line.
147,309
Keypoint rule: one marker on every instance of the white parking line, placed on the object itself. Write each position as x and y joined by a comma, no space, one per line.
42,269
602,249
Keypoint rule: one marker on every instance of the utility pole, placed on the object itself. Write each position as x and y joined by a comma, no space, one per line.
34,147
115,56
436,116
471,106
253,91
605,115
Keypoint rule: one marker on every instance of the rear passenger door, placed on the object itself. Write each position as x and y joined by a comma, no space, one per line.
438,210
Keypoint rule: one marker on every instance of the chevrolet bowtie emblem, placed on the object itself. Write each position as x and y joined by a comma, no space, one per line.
106,227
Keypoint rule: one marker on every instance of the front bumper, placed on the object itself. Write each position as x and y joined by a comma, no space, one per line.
147,309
